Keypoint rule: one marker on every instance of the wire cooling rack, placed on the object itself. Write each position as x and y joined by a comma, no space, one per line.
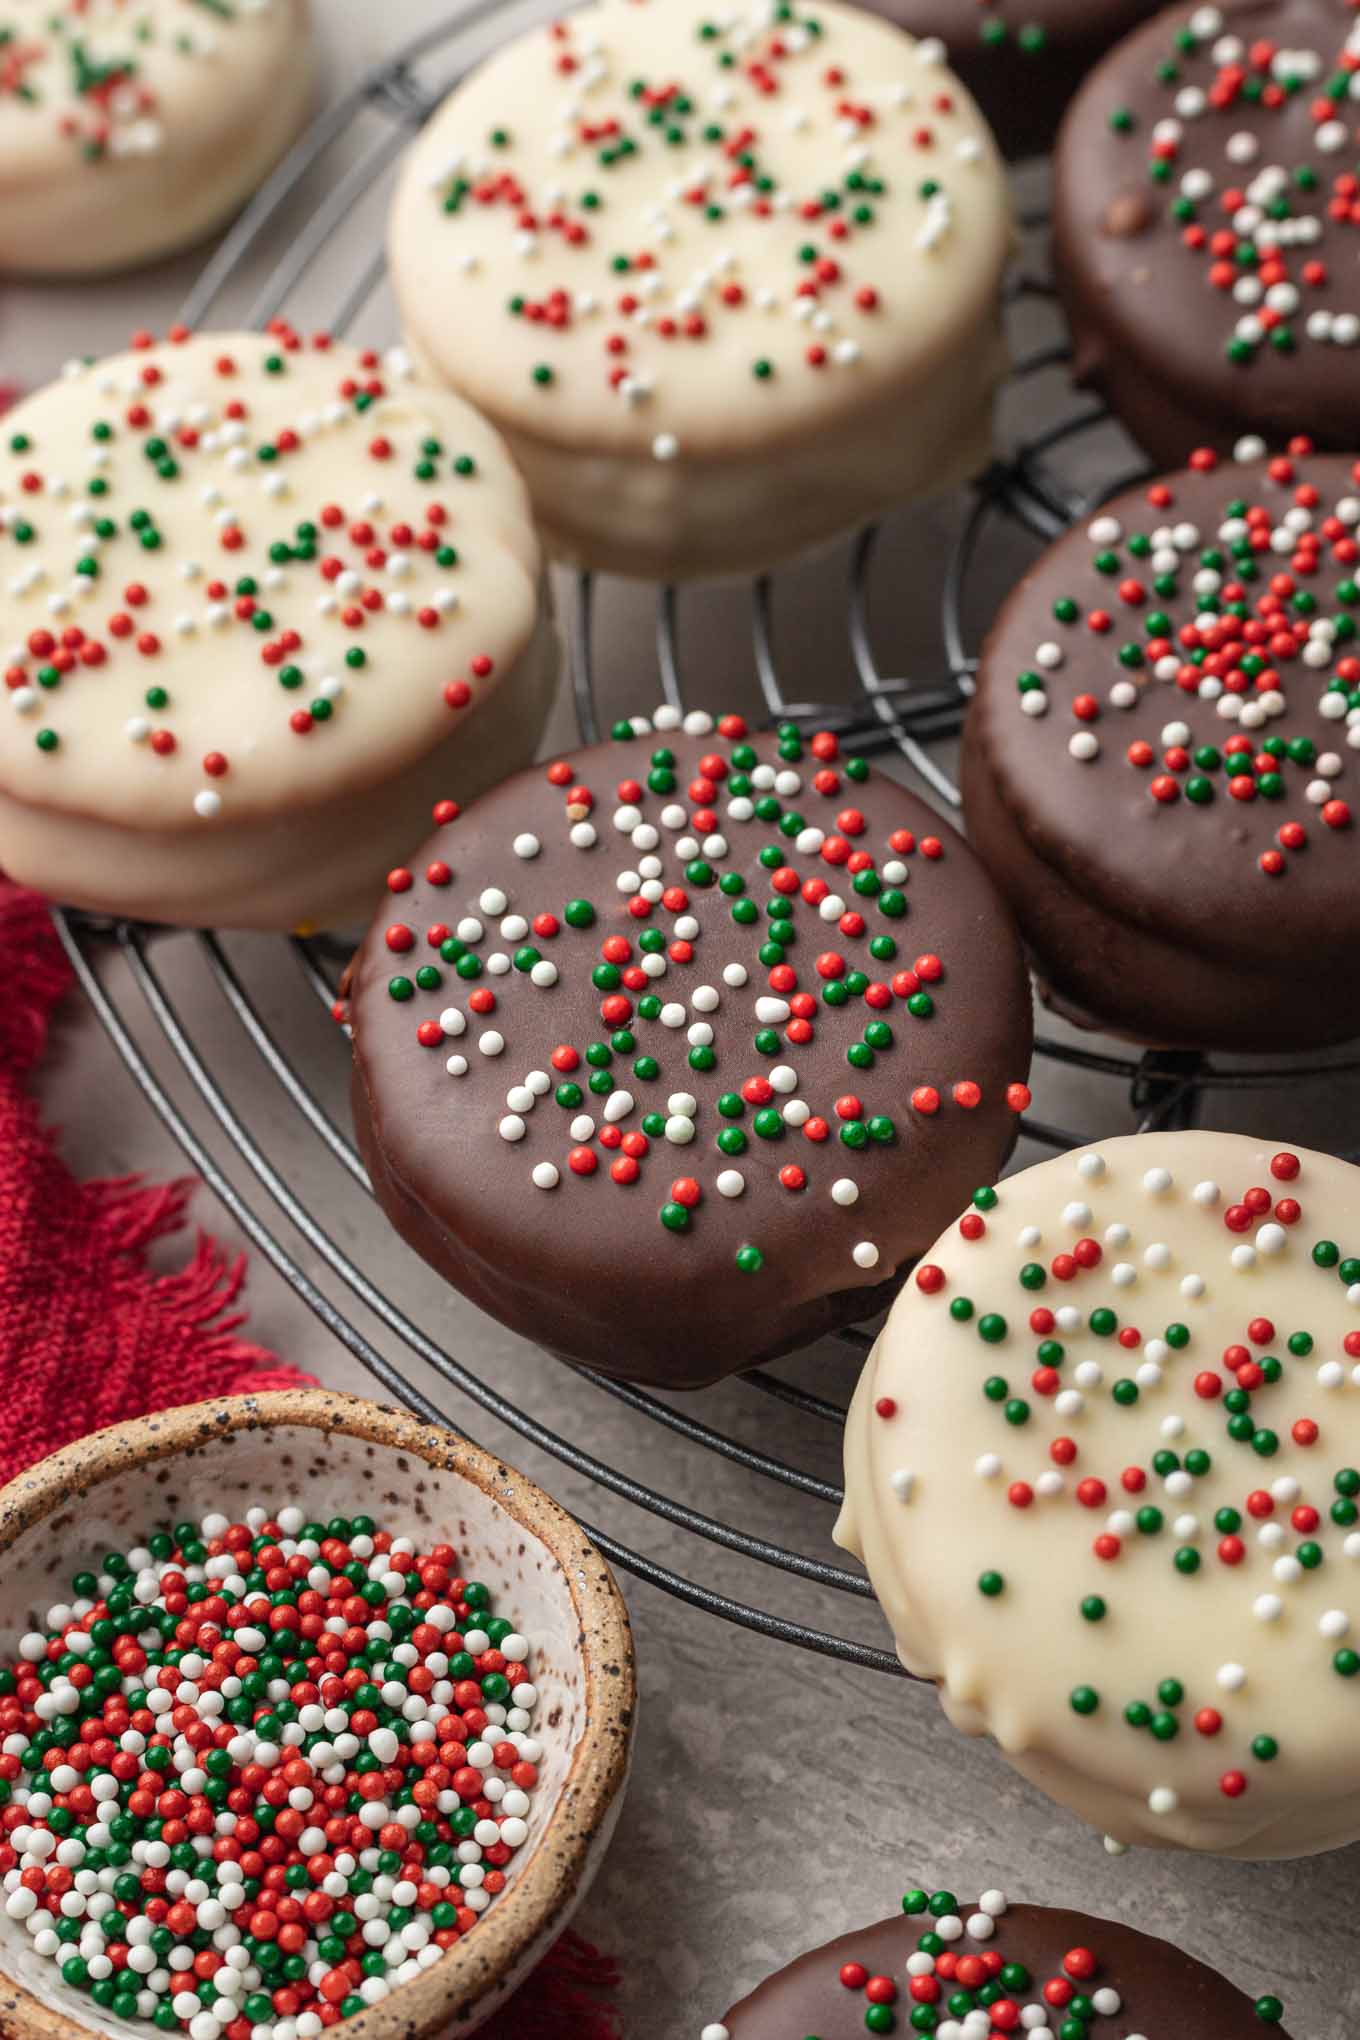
324,202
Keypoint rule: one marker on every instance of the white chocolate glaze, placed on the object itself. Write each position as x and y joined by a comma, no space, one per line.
727,278
261,604
1159,1231
130,130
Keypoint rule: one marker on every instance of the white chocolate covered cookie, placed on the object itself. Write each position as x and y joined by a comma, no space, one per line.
726,276
1103,1467
262,603
131,128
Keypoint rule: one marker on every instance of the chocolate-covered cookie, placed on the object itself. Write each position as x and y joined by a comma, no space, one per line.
1160,765
264,598
728,279
1102,1470
672,1055
1205,224
998,1968
1021,59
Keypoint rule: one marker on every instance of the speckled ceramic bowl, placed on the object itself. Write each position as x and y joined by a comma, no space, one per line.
331,1454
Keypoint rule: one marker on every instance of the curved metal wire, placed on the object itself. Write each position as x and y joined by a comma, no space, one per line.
891,713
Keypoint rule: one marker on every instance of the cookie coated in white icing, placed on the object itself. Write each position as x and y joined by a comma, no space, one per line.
1102,1469
263,602
726,273
131,128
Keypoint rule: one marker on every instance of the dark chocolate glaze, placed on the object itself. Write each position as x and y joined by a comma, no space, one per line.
1024,80
1165,1995
1150,329
1155,920
587,1268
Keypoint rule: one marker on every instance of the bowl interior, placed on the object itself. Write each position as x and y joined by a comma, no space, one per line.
325,1474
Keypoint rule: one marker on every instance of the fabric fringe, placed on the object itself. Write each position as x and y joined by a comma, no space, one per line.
568,1997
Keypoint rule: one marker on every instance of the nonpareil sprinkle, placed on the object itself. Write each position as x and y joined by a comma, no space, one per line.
256,1774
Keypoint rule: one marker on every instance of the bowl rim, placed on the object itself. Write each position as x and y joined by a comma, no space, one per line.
474,1970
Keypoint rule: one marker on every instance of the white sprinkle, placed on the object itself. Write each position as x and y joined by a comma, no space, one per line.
1092,1166
902,1482
1162,1799
526,845
1157,1181
845,1191
988,1466
865,1255
491,1043
545,1176
512,1127
731,1183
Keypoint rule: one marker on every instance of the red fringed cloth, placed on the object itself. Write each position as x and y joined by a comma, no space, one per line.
90,1335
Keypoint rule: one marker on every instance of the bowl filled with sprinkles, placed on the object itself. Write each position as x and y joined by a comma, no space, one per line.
311,1715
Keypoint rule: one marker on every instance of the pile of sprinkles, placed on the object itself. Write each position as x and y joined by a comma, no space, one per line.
195,523
689,1068
792,183
1265,208
1199,1464
1241,639
77,64
960,1983
255,1775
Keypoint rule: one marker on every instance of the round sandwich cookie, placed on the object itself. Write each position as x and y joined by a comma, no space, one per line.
1022,60
672,1054
1162,754
128,132
1102,1467
728,280
985,1971
1205,213
262,600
